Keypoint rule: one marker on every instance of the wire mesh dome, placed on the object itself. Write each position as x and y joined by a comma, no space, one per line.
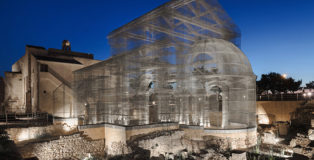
220,57
220,78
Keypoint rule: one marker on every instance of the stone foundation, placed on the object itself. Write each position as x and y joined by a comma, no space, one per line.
168,137
153,140
117,136
192,139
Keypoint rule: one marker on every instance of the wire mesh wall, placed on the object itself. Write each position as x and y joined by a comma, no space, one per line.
177,63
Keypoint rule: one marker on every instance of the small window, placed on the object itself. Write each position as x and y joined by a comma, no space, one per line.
43,68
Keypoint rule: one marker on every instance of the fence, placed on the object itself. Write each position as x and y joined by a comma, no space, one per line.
33,119
283,97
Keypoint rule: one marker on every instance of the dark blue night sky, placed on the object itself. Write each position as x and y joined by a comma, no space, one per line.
277,35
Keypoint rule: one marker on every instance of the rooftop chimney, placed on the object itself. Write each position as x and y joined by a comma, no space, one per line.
66,45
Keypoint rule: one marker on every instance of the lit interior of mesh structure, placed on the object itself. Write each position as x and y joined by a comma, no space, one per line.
178,63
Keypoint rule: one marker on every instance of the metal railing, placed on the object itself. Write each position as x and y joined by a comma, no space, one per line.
283,97
32,119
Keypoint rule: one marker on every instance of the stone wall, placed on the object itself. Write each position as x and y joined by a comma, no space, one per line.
146,129
224,139
66,147
164,142
1,94
275,110
14,89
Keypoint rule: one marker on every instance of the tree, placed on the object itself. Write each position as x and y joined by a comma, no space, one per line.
292,85
270,82
310,85
276,83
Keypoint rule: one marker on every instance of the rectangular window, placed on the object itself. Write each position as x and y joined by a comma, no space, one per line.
220,103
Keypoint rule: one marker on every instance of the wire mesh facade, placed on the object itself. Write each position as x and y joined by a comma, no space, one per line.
178,63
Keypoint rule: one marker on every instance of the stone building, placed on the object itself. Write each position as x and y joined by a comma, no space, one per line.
41,81
1,94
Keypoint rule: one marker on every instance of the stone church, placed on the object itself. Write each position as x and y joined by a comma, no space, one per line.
40,81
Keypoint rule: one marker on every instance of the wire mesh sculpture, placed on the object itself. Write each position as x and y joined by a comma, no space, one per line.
178,63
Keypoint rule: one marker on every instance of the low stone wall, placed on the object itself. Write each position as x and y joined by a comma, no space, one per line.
146,129
20,135
229,138
116,136
95,131
66,147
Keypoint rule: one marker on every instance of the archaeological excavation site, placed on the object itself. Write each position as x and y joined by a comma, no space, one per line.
176,86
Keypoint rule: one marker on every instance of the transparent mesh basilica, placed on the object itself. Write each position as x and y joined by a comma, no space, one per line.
178,63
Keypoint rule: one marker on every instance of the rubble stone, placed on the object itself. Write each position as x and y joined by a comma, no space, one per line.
269,138
300,140
164,144
308,152
212,155
73,146
311,134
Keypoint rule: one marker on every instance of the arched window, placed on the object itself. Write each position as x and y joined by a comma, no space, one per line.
202,57
151,85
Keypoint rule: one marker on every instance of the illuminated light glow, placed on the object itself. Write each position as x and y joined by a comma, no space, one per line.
89,156
276,140
23,136
284,75
263,120
27,134
66,127
309,94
